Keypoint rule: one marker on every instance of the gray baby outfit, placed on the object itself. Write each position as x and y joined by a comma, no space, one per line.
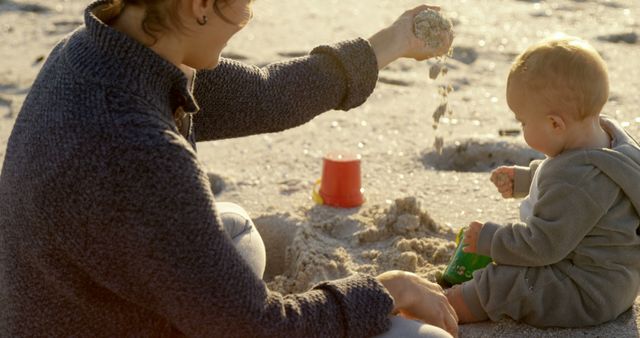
575,260
108,226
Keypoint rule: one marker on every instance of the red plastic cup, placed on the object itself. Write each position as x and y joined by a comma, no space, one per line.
340,183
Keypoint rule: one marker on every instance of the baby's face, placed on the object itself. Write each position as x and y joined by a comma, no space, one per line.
534,117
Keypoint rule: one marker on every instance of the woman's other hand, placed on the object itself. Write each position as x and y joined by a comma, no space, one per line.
399,40
502,178
417,298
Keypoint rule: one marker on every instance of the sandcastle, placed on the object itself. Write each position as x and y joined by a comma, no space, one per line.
376,239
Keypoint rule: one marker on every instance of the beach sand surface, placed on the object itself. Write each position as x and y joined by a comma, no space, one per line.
416,198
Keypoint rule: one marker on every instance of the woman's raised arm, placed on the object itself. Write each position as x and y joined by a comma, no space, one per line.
237,99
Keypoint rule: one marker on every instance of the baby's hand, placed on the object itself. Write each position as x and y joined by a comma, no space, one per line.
502,178
471,235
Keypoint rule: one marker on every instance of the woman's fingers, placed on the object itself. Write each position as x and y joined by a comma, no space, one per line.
418,49
450,324
450,318
445,316
425,301
447,320
421,8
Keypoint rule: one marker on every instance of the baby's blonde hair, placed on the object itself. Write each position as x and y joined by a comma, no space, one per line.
568,74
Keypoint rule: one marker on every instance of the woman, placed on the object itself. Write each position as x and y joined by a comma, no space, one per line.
107,221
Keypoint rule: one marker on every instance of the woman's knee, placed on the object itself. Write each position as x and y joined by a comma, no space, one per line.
403,327
235,220
244,234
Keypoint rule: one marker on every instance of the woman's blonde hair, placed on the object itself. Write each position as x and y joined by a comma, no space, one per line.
160,15
567,72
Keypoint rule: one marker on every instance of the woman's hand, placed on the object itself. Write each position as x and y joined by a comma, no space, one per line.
398,40
417,298
502,178
471,235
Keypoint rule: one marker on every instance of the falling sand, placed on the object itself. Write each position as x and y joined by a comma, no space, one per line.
430,26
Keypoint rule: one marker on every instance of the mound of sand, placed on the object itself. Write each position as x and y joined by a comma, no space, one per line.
371,240
479,154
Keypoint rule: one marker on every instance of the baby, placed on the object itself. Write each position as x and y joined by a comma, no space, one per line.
574,259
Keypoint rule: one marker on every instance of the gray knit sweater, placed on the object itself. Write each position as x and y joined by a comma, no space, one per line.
107,222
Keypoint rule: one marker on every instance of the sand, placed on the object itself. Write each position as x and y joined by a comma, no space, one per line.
416,198
429,25
401,236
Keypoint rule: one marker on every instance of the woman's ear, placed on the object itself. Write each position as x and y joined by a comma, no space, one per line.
199,8
557,122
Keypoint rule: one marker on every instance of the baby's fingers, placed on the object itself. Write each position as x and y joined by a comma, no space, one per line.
504,186
502,179
506,193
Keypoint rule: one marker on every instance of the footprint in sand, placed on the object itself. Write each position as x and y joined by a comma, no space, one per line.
394,81
292,186
234,56
458,83
293,54
542,13
8,5
64,27
466,55
218,184
628,37
5,101
34,8
612,4
6,106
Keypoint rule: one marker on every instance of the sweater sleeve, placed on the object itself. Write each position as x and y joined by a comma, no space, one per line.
554,230
151,235
236,99
522,178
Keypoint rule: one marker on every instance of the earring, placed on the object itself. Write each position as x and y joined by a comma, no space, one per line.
204,20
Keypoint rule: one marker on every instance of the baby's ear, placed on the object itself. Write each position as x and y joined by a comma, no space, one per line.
557,122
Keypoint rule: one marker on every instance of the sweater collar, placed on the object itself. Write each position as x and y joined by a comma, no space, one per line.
108,55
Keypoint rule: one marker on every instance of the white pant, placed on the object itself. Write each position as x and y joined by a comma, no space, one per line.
407,328
244,235
248,242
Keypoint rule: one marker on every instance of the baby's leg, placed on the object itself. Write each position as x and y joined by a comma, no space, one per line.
244,235
541,296
465,315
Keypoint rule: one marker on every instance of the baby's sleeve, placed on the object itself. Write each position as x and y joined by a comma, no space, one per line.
522,178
